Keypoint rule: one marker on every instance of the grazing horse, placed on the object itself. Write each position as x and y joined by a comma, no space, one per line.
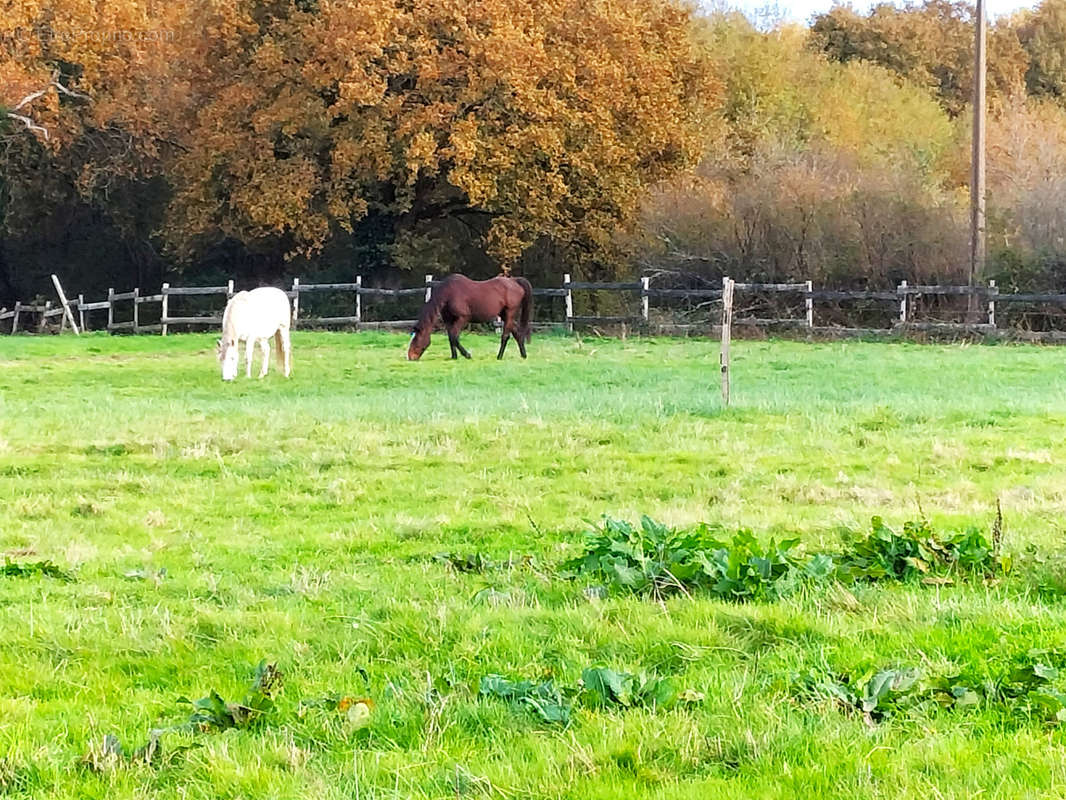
255,316
459,300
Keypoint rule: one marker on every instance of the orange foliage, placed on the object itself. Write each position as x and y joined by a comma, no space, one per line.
530,118
279,123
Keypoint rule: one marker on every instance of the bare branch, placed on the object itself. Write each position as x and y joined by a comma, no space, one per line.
68,92
54,83
31,97
25,101
29,123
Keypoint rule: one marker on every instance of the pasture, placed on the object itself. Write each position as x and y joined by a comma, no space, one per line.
209,526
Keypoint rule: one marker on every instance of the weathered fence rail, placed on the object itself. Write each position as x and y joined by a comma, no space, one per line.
124,309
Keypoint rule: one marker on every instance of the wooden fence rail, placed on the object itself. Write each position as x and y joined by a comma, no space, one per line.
129,305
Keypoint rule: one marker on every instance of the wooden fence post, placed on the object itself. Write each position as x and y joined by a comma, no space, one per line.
992,303
569,303
229,289
644,286
295,300
81,310
15,319
727,335
67,315
429,289
136,310
809,303
358,300
110,308
902,302
165,311
44,319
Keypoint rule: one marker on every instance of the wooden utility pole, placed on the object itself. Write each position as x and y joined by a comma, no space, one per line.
977,178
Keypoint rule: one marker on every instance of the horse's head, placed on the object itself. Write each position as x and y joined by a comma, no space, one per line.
419,341
227,356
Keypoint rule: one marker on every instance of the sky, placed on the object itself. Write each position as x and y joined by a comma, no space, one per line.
802,10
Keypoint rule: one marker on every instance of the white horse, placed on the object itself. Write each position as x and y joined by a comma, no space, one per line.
253,317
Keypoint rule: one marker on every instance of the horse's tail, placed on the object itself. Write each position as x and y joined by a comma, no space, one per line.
525,321
279,347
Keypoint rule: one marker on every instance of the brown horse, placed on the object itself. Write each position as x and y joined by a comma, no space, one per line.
458,300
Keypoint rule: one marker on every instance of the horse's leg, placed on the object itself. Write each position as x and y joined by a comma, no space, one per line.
514,315
451,327
264,348
518,337
249,351
457,326
453,337
286,349
508,330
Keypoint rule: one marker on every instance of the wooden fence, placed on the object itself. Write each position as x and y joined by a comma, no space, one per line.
899,303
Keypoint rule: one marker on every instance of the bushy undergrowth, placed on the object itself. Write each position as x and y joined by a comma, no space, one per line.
656,559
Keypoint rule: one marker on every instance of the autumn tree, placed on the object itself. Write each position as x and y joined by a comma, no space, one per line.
1042,33
522,119
840,173
83,88
929,44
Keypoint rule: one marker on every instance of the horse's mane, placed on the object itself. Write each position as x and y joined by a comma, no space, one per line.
428,315
229,321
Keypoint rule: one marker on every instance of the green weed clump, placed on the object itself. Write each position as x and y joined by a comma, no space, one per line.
657,560
918,552
605,687
544,699
600,688
27,569
214,713
209,714
1029,688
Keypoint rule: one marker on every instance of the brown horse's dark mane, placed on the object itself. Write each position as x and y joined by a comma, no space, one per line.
428,315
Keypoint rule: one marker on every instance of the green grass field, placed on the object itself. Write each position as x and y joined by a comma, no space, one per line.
297,521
